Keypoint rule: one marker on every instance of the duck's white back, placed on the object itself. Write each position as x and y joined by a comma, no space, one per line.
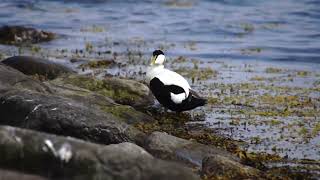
168,77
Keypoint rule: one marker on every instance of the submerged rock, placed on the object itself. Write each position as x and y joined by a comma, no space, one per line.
60,157
37,66
64,116
15,35
11,78
122,91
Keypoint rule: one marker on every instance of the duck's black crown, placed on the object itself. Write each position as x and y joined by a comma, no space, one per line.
157,52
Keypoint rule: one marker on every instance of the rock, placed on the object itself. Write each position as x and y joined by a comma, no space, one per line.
220,167
216,163
14,175
15,35
141,91
165,146
81,95
64,116
123,91
37,66
91,99
11,78
60,157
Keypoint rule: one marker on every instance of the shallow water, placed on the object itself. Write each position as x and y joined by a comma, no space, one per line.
238,39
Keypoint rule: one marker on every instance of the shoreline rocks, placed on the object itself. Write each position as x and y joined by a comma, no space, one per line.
59,157
166,146
58,115
104,112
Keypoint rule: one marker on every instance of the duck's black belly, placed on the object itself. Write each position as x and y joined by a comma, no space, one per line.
162,94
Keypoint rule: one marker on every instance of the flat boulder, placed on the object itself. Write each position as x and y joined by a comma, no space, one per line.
122,91
12,78
213,162
37,66
88,98
15,35
57,157
63,116
165,146
219,167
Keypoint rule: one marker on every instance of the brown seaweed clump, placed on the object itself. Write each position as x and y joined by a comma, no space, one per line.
15,35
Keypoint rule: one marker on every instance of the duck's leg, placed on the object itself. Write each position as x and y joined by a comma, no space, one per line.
178,112
181,117
165,111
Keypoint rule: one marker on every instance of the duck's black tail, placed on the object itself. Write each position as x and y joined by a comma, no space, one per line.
193,102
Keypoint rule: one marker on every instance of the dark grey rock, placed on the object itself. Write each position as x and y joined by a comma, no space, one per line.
11,78
14,175
214,163
88,98
83,108
220,167
165,146
68,158
37,66
15,35
64,116
81,95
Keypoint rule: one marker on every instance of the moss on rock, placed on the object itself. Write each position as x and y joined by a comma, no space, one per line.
175,124
123,91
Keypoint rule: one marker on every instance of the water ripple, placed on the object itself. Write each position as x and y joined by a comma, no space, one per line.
283,29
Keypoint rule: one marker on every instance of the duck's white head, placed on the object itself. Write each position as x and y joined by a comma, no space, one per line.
157,58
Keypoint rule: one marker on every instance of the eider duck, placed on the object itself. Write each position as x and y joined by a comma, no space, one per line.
170,88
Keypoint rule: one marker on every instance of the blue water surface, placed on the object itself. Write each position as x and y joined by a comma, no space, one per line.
287,30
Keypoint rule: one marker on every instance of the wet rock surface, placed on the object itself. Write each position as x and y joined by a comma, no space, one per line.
37,66
59,157
63,116
15,35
